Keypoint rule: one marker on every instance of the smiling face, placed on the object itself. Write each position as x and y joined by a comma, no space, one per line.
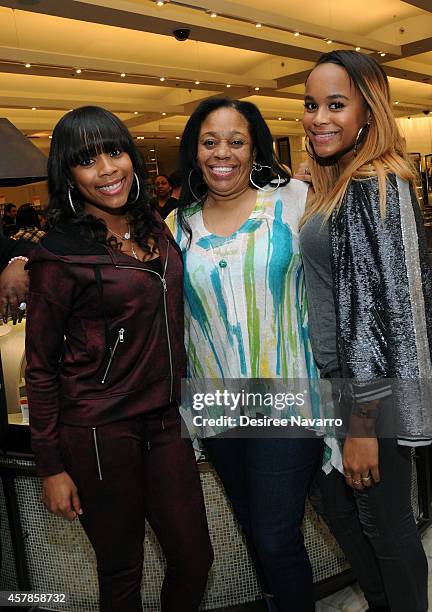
225,151
334,111
104,181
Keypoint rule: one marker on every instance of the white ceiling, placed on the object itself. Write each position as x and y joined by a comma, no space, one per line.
107,37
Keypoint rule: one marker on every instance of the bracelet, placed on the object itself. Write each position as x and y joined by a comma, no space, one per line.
18,258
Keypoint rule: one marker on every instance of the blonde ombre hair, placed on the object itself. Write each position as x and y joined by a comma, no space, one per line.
381,151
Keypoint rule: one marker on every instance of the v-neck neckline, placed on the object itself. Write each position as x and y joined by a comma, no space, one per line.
257,209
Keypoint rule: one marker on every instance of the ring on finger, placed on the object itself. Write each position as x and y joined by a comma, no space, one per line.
22,306
365,478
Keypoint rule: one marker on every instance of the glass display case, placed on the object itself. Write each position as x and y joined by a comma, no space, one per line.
12,350
14,430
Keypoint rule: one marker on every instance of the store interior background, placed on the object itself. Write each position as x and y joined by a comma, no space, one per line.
56,55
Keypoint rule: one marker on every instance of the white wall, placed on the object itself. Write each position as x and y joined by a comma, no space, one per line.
25,193
418,133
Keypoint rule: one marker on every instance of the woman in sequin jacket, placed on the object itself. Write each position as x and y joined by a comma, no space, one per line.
369,287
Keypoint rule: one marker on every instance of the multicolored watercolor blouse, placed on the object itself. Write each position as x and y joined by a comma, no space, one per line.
245,304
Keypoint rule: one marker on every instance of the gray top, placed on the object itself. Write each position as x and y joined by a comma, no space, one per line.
315,249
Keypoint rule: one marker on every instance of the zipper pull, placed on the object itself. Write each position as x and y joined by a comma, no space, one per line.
121,334
164,285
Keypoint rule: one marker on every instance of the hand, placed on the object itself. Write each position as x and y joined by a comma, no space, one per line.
60,496
13,290
303,172
360,462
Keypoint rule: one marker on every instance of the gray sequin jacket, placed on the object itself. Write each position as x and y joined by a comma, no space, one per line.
383,296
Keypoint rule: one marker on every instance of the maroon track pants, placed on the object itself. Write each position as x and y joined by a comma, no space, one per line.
133,470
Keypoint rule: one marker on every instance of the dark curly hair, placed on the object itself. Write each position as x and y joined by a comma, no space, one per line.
193,183
27,217
82,133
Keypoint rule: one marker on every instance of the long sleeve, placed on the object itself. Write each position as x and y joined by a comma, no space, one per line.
383,288
48,310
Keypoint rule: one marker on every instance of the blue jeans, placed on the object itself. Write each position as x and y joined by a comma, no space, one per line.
267,480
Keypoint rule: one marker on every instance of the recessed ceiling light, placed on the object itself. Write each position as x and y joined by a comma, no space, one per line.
153,159
256,88
197,82
78,70
135,112
50,137
162,79
160,2
123,74
164,114
329,42
213,15
297,119
177,137
397,102
151,150
228,85
358,48
382,54
28,65
296,33
258,25
34,108
279,118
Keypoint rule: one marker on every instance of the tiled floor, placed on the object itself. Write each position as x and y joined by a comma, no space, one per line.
347,600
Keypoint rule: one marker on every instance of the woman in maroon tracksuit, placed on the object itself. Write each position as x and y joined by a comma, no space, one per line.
105,357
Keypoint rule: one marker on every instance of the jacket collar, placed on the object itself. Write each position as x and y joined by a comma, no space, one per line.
70,248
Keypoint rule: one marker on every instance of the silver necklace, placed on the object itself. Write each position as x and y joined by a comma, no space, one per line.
125,236
134,253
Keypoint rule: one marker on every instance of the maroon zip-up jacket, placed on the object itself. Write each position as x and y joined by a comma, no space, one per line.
104,337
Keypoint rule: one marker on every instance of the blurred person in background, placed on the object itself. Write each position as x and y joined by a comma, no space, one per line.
42,220
164,203
175,180
28,224
9,219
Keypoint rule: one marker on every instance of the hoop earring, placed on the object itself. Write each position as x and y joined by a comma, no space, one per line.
197,199
138,190
257,168
70,202
361,134
309,148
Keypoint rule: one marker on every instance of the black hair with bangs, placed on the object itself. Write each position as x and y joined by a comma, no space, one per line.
83,133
